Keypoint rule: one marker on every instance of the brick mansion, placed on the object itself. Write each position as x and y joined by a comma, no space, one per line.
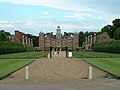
58,42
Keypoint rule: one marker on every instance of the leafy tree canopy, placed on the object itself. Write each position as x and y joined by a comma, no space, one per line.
3,36
81,38
116,22
117,34
111,29
35,40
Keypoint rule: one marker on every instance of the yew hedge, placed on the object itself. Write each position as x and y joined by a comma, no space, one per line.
7,47
110,47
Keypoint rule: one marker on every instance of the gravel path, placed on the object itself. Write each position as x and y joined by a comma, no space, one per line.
57,69
58,73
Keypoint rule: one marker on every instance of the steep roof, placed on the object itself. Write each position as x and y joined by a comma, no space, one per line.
104,35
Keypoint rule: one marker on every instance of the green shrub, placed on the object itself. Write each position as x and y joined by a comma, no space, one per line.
111,46
13,47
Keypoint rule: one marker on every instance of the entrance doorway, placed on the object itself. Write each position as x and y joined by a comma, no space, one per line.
58,49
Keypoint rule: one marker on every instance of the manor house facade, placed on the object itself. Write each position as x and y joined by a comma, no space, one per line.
58,42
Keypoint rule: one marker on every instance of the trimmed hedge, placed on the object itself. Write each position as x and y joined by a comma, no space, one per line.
28,48
7,47
110,47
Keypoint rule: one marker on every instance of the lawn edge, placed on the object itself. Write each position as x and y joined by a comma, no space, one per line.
118,77
15,70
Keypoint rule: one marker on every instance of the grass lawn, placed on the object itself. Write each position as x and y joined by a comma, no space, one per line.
8,67
103,61
24,55
95,54
110,65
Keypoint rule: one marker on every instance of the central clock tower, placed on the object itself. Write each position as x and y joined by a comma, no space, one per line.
58,37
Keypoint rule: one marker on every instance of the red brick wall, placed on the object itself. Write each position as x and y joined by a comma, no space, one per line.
103,39
75,41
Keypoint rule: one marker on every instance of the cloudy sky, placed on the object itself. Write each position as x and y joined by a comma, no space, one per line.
33,16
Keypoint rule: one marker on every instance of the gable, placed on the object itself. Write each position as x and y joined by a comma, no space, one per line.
104,37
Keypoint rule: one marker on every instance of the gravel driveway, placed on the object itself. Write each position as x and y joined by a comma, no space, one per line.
58,73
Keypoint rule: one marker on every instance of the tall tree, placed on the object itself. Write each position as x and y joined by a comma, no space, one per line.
116,23
87,34
8,34
3,36
106,28
109,29
81,38
117,34
35,40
